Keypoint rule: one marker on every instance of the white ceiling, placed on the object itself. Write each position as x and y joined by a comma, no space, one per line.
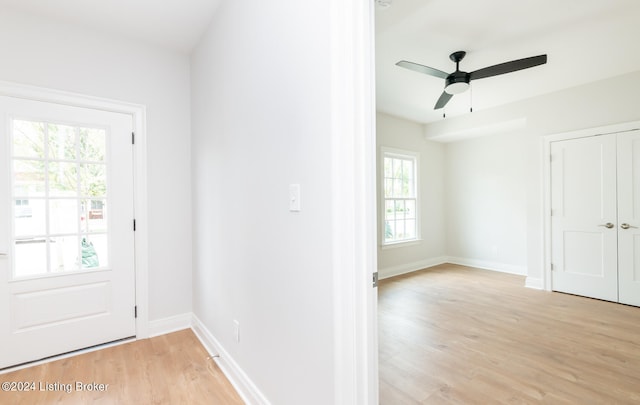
585,41
172,24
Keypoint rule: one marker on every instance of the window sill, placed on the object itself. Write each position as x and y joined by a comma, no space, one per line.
401,244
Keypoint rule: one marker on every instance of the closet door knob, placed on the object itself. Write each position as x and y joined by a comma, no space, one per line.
627,226
608,225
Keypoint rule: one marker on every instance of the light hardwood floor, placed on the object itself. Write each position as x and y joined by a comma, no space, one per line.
168,369
453,334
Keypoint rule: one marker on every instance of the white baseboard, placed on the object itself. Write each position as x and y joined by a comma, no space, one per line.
237,377
409,267
423,264
170,324
486,265
535,283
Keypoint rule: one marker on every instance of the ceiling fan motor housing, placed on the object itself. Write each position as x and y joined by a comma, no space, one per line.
457,82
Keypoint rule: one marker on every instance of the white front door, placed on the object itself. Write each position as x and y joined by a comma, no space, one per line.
584,217
629,217
66,229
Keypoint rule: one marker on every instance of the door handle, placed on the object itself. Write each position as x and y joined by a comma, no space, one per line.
627,226
608,225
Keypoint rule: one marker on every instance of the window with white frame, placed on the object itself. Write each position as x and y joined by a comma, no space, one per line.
400,198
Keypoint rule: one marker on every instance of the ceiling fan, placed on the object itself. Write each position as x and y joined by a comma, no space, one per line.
458,81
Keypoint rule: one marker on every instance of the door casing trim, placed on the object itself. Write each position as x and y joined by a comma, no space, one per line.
141,235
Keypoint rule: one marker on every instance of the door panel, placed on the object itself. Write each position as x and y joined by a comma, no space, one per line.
583,264
39,309
66,210
583,199
629,213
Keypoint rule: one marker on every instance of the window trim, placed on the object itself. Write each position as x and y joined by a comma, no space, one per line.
404,154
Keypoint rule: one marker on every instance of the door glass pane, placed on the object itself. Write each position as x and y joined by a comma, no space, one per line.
30,217
93,180
28,139
101,244
30,257
28,178
94,216
59,177
62,142
94,251
63,179
63,216
64,252
93,144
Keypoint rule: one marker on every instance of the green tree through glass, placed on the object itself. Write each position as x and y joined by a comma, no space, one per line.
58,150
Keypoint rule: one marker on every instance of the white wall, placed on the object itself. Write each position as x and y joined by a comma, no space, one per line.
261,121
54,55
402,134
486,202
473,207
605,102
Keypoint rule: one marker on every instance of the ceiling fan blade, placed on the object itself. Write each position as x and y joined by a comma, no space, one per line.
443,100
423,69
508,67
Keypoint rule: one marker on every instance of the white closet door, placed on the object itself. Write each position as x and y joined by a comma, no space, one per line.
584,217
629,217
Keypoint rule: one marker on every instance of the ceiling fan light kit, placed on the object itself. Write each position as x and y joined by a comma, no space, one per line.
459,81
457,86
